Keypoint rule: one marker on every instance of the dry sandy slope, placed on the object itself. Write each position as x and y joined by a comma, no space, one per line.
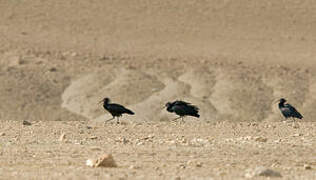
231,58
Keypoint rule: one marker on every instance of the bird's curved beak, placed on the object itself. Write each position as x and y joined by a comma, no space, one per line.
100,101
275,101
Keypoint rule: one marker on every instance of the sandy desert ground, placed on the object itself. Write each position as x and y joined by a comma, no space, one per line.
58,59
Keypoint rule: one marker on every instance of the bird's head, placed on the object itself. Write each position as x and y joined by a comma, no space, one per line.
277,100
168,104
105,100
282,100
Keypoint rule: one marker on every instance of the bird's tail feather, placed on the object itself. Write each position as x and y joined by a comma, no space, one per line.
129,112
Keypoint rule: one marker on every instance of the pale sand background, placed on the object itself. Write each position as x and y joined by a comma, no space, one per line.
231,58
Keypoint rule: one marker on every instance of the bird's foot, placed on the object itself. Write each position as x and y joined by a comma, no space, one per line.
295,125
182,121
287,121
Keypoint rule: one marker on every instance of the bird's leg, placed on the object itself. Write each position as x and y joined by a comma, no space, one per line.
182,118
109,119
176,118
118,120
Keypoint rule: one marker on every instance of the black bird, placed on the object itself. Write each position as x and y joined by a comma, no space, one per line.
182,109
116,110
288,110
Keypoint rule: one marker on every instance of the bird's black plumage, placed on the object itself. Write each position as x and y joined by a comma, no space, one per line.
288,110
116,110
182,108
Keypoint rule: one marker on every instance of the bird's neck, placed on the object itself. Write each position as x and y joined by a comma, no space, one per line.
169,108
281,104
105,104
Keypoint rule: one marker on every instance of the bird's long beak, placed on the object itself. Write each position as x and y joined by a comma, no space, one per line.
276,100
100,101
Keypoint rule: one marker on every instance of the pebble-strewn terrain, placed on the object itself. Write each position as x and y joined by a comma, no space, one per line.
157,150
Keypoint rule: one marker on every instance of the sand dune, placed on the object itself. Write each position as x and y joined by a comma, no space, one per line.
223,92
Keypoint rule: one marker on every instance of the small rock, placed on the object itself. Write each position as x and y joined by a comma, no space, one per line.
194,163
199,164
182,166
2,134
104,161
134,167
261,171
73,54
177,178
278,141
53,69
125,141
93,137
261,139
15,61
140,143
297,135
307,167
295,125
26,123
62,137
95,148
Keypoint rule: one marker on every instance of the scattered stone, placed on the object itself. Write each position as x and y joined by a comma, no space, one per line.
16,61
261,139
198,142
95,148
53,69
140,143
134,167
2,133
297,135
198,164
307,167
194,163
171,142
62,137
177,178
182,166
26,123
278,141
124,140
73,54
276,164
93,137
295,125
104,161
221,173
261,171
